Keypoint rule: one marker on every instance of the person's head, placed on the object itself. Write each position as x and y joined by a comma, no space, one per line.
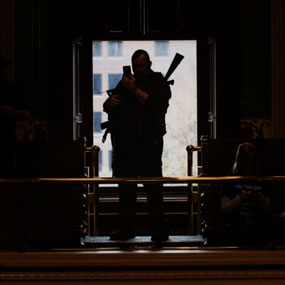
246,161
141,64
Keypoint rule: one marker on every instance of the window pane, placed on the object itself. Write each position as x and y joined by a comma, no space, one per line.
181,117
161,48
97,49
113,80
97,84
115,48
100,160
97,121
110,159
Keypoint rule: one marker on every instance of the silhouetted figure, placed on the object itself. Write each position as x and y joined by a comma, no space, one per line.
12,109
137,125
245,204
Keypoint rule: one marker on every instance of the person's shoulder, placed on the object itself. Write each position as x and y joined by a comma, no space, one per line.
158,78
157,75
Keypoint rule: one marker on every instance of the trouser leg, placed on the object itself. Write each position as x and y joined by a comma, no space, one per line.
155,205
127,206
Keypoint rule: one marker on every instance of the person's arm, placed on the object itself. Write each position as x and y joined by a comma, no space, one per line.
141,95
159,93
9,112
159,96
230,200
229,205
130,87
112,103
262,201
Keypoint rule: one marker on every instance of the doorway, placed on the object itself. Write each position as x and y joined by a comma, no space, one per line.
181,118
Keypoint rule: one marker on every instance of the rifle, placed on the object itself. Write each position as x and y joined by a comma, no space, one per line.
175,62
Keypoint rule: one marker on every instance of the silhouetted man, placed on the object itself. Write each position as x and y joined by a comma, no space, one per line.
137,125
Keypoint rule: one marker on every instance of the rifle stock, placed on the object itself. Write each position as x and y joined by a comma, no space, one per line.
175,62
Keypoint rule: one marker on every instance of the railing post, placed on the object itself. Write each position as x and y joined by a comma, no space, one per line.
92,192
193,197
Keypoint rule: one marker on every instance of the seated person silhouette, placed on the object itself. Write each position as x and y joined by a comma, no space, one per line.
245,204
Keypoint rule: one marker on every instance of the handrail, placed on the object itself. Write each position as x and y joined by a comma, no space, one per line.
193,148
144,180
190,149
94,148
94,151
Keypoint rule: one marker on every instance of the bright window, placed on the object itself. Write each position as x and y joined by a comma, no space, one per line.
161,48
97,117
115,48
113,80
181,117
97,84
97,49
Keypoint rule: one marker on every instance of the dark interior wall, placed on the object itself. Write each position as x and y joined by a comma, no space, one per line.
56,58
45,30
27,56
43,51
255,55
241,29
228,58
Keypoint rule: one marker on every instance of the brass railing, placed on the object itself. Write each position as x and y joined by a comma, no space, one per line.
143,180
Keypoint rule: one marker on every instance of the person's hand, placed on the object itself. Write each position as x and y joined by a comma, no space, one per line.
244,197
251,197
24,114
128,84
112,103
10,112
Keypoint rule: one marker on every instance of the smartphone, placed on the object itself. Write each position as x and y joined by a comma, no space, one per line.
127,71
